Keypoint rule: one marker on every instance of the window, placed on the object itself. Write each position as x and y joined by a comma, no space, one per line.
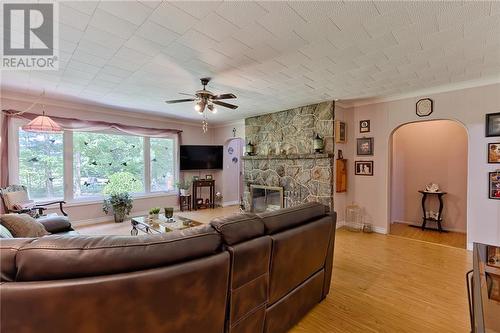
107,163
91,164
41,164
162,164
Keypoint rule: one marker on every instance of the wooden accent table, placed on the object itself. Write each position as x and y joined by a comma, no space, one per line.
439,218
197,186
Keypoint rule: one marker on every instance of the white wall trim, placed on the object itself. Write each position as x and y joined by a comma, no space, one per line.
431,224
378,230
230,203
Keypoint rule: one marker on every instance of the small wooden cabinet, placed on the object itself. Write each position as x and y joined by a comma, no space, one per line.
341,176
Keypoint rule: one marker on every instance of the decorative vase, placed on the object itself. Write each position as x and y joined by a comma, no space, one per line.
154,217
119,216
183,192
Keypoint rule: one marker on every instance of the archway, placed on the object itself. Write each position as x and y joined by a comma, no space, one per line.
433,151
233,175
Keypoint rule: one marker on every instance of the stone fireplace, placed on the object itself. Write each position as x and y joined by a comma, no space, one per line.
265,198
285,157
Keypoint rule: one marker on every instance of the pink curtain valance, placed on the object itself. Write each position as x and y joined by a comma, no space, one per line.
71,124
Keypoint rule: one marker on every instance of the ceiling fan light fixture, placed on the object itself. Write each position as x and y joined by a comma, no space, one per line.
212,108
197,107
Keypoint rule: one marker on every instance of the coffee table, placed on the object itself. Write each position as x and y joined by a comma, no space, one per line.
162,225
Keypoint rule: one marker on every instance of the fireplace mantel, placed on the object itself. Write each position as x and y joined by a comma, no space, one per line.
289,157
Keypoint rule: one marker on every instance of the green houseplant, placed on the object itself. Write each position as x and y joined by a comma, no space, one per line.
183,186
118,203
154,213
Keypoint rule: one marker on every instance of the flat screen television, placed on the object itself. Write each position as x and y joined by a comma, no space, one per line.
201,157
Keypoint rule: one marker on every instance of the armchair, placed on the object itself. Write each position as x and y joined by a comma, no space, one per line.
15,200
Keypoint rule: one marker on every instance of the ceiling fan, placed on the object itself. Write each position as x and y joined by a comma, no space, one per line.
206,99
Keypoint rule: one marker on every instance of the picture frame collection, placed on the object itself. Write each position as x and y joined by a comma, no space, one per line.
493,130
364,147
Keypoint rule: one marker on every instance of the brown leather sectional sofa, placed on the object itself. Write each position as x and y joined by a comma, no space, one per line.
242,274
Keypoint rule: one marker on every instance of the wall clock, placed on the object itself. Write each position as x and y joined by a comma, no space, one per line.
424,107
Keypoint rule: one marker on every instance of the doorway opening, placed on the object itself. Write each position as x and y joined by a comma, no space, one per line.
422,154
233,172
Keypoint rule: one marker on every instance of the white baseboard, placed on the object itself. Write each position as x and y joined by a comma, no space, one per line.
230,203
444,227
378,230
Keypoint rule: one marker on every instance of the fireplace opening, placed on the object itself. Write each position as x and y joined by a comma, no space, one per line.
265,198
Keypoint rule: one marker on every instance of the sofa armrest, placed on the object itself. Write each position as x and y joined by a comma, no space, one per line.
55,224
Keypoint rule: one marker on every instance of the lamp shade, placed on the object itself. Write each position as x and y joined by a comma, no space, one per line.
42,124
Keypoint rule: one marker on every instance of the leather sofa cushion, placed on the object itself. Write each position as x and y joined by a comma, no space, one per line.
188,297
55,224
238,227
8,251
284,314
297,254
60,257
287,218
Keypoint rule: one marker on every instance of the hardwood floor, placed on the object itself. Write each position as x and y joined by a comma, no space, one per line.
455,239
381,283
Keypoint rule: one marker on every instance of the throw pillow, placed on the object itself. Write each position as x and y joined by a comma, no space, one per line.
4,232
23,225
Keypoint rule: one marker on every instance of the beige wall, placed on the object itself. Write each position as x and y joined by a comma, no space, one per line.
467,106
430,152
192,134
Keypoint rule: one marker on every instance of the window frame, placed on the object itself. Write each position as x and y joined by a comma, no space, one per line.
13,151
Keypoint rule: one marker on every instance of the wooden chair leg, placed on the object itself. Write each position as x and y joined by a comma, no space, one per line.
62,210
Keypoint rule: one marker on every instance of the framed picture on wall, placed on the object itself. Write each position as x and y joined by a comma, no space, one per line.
493,124
494,152
340,132
364,126
494,185
363,168
364,146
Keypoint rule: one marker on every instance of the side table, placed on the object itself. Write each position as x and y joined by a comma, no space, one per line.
425,218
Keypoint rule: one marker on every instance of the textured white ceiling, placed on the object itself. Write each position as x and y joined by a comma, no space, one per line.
272,55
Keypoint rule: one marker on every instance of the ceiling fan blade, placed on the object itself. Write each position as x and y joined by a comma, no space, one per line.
224,96
180,100
186,94
226,105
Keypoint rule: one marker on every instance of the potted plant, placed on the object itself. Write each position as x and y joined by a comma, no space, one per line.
183,187
120,204
154,213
